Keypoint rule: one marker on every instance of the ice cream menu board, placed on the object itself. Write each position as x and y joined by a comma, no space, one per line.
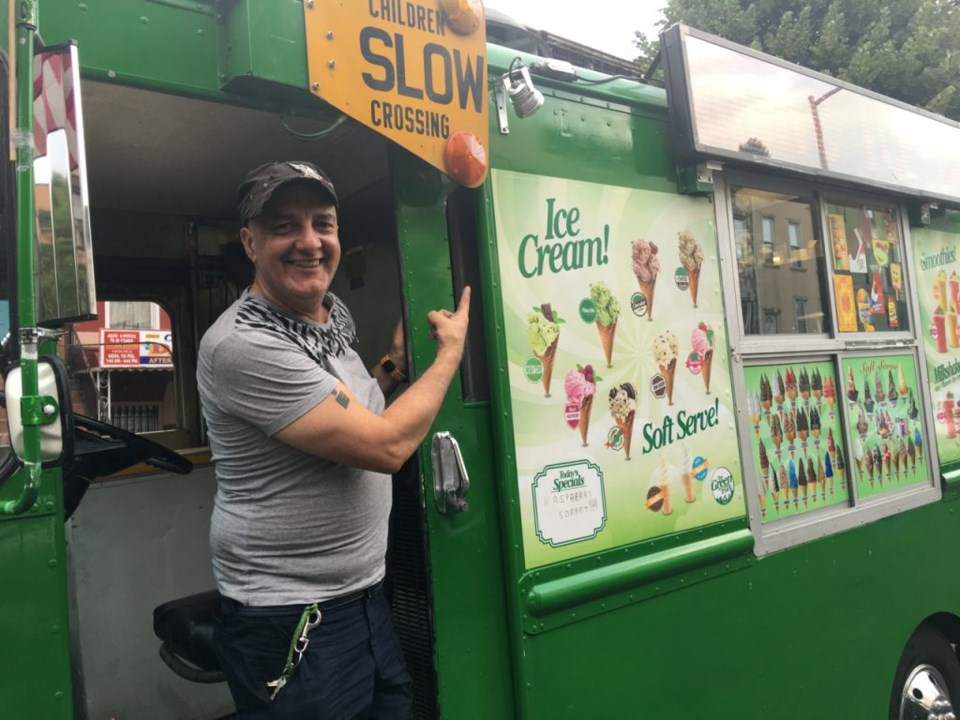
867,269
938,287
889,447
618,374
799,459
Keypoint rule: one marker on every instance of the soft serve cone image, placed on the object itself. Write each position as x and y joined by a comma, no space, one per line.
623,408
580,388
665,350
663,478
702,341
686,473
543,331
841,468
691,257
608,311
646,265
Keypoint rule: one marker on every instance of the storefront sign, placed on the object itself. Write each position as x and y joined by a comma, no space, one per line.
136,348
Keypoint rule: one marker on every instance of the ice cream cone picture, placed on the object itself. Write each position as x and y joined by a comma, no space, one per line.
829,395
580,387
543,332
623,408
822,478
753,409
878,464
691,257
664,479
646,265
776,432
840,470
766,395
791,385
762,495
779,390
784,488
918,443
665,351
702,341
608,311
794,483
816,385
802,472
812,479
686,473
828,472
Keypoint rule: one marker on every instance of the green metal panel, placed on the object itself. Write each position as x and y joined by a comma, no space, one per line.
35,682
469,616
812,632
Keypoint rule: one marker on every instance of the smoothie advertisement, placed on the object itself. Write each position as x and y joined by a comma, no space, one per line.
622,404
797,442
889,447
938,287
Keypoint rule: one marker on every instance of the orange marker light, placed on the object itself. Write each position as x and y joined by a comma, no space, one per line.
465,159
464,16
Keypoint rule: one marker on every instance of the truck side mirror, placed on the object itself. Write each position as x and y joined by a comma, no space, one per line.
56,411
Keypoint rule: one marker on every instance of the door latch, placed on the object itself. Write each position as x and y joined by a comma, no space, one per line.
450,480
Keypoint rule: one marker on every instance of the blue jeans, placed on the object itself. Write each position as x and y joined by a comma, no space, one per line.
352,668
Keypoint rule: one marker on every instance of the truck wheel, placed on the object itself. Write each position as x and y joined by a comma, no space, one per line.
927,683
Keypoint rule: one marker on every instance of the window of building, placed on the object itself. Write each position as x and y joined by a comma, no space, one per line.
769,242
796,250
800,314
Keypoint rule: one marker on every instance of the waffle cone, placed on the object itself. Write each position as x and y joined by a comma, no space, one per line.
607,332
707,367
689,488
584,424
626,427
546,360
694,284
668,372
647,290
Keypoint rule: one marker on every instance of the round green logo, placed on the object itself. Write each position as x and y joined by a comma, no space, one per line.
588,311
533,369
722,486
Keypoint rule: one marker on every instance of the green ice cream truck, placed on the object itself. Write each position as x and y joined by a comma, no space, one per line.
751,516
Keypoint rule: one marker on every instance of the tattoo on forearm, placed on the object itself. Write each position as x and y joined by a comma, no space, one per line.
342,398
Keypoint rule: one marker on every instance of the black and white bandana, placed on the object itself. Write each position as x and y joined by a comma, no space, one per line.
317,341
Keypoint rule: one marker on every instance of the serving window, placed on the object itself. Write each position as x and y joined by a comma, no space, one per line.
834,428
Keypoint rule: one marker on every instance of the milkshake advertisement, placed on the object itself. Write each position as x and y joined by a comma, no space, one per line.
938,287
620,389
799,458
889,447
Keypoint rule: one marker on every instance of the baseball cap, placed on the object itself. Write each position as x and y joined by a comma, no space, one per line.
260,184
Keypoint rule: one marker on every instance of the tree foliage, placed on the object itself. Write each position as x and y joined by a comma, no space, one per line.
906,49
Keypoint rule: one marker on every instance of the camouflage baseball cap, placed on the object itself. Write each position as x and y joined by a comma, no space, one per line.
260,184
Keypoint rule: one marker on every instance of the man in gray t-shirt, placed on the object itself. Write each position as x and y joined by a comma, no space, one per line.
304,447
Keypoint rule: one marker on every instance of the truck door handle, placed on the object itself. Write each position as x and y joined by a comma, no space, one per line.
450,480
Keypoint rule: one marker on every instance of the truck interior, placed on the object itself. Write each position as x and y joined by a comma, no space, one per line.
163,172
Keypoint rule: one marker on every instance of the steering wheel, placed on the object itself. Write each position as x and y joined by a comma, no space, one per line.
101,449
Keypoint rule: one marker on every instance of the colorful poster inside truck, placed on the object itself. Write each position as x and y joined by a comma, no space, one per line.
938,288
620,389
889,445
797,439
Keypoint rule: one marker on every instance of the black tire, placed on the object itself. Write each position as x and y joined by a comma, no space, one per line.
927,646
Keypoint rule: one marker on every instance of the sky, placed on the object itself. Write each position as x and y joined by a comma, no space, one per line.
606,25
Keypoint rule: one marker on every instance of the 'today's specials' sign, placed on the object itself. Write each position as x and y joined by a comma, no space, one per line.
413,71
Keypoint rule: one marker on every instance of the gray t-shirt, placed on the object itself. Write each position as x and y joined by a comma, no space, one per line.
287,527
